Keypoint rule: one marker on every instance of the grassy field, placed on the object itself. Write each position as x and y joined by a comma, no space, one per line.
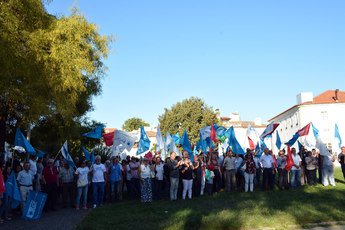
238,210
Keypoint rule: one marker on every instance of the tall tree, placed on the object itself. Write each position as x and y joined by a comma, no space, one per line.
133,124
190,115
50,67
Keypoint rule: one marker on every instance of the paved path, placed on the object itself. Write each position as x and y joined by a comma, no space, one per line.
64,219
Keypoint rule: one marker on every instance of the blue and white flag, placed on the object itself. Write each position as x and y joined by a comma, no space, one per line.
220,130
278,141
12,190
205,132
185,143
233,143
34,205
176,138
96,133
174,148
123,140
168,140
337,135
66,155
160,143
21,141
144,142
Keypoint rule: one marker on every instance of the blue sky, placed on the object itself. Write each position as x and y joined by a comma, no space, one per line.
251,57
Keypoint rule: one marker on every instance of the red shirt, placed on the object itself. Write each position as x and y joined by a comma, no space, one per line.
50,174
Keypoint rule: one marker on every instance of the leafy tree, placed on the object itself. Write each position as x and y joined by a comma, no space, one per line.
133,124
50,67
190,115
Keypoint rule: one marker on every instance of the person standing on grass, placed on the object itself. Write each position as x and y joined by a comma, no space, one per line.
99,176
82,173
296,169
249,171
115,177
229,171
341,159
209,175
187,177
267,163
145,180
67,184
134,166
311,164
328,170
159,177
174,175
282,172
51,184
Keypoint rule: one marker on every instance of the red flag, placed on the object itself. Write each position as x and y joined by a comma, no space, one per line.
213,134
251,144
289,161
149,156
108,138
304,131
274,161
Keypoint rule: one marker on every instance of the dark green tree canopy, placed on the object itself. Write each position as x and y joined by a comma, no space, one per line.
133,124
190,115
50,66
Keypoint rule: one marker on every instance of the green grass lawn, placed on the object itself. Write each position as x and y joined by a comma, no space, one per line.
237,210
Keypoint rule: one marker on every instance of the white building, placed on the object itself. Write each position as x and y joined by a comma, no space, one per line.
324,111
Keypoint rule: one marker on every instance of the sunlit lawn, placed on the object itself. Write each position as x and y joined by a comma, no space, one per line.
238,210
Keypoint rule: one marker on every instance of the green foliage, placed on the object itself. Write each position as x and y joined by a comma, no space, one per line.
190,115
48,64
133,124
50,69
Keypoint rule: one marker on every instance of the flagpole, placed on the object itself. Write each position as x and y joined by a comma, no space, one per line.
57,155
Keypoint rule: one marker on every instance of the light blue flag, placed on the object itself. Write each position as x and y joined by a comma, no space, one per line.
160,143
88,156
185,142
34,205
144,142
220,130
201,144
337,135
205,132
96,133
315,131
21,141
278,141
176,138
12,190
66,155
261,148
235,146
299,146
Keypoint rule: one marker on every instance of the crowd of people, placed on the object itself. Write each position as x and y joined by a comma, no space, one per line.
178,177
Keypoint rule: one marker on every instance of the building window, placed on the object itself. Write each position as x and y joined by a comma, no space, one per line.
324,115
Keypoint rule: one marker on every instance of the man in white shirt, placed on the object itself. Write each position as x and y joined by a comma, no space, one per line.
25,179
33,171
229,171
266,161
98,181
295,170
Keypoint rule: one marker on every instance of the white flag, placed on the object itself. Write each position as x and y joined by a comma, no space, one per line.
123,140
66,155
174,148
160,143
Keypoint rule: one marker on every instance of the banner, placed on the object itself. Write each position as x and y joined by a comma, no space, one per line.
34,205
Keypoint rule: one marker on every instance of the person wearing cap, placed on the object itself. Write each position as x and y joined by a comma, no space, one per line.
99,174
82,173
51,184
145,180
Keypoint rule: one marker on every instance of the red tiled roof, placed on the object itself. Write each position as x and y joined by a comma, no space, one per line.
225,118
327,97
151,133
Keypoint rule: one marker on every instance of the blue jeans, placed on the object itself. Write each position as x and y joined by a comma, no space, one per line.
173,188
295,178
80,191
98,192
114,190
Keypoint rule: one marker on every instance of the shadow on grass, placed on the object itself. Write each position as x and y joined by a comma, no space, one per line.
238,210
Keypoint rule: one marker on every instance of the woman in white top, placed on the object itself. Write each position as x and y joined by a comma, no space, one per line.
82,184
159,169
145,178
